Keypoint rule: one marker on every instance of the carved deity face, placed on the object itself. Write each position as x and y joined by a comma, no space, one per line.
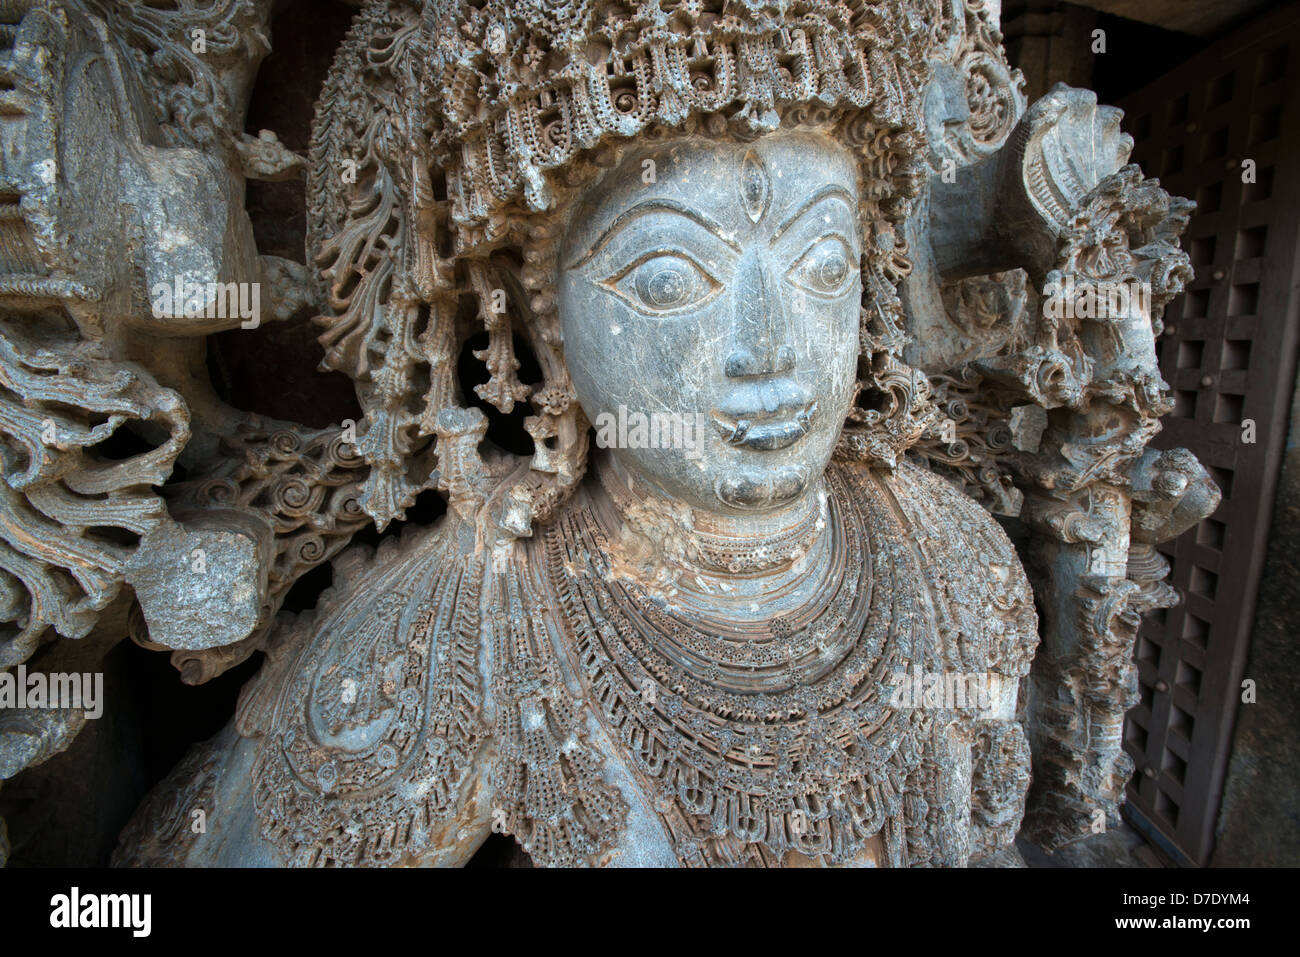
709,294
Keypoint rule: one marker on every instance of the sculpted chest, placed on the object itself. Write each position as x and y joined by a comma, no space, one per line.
781,264
548,697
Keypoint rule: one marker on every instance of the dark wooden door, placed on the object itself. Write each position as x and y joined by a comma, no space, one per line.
1229,353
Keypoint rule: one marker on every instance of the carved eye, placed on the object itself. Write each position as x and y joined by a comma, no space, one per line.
663,283
826,269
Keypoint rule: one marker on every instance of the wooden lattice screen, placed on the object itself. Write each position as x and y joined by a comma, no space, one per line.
1230,356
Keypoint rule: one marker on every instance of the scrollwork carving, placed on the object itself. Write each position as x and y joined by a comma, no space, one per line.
615,657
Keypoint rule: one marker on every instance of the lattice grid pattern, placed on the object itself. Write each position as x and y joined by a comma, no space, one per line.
1229,355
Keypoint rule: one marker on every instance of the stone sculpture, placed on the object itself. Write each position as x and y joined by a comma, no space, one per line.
855,301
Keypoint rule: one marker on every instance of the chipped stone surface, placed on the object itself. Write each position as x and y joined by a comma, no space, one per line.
834,237
200,583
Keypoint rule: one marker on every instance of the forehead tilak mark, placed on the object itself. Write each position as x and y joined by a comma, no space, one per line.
755,186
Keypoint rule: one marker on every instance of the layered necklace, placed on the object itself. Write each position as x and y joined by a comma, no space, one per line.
758,738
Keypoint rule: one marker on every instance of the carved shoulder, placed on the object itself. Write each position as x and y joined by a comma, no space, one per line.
371,716
359,741
983,603
988,628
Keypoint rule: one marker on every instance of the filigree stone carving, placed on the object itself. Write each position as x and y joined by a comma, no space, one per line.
1083,352
100,126
827,241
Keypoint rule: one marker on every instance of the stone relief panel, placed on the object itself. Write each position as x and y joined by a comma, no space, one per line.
815,297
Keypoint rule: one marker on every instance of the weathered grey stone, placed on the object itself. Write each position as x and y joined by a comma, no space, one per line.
818,286
200,582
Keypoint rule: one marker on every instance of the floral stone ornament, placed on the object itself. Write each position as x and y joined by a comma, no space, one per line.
824,234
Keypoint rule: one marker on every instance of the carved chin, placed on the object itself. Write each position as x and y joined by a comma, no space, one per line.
765,488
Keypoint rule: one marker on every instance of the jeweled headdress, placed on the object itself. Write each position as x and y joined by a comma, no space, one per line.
449,135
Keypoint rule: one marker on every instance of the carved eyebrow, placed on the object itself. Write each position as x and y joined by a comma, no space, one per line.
826,192
653,206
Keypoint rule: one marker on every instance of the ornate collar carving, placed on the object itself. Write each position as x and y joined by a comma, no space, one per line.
756,739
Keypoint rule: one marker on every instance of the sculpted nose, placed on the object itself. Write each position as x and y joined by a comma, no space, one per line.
759,326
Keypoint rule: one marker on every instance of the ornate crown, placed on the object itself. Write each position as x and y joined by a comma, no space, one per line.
522,87
448,129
